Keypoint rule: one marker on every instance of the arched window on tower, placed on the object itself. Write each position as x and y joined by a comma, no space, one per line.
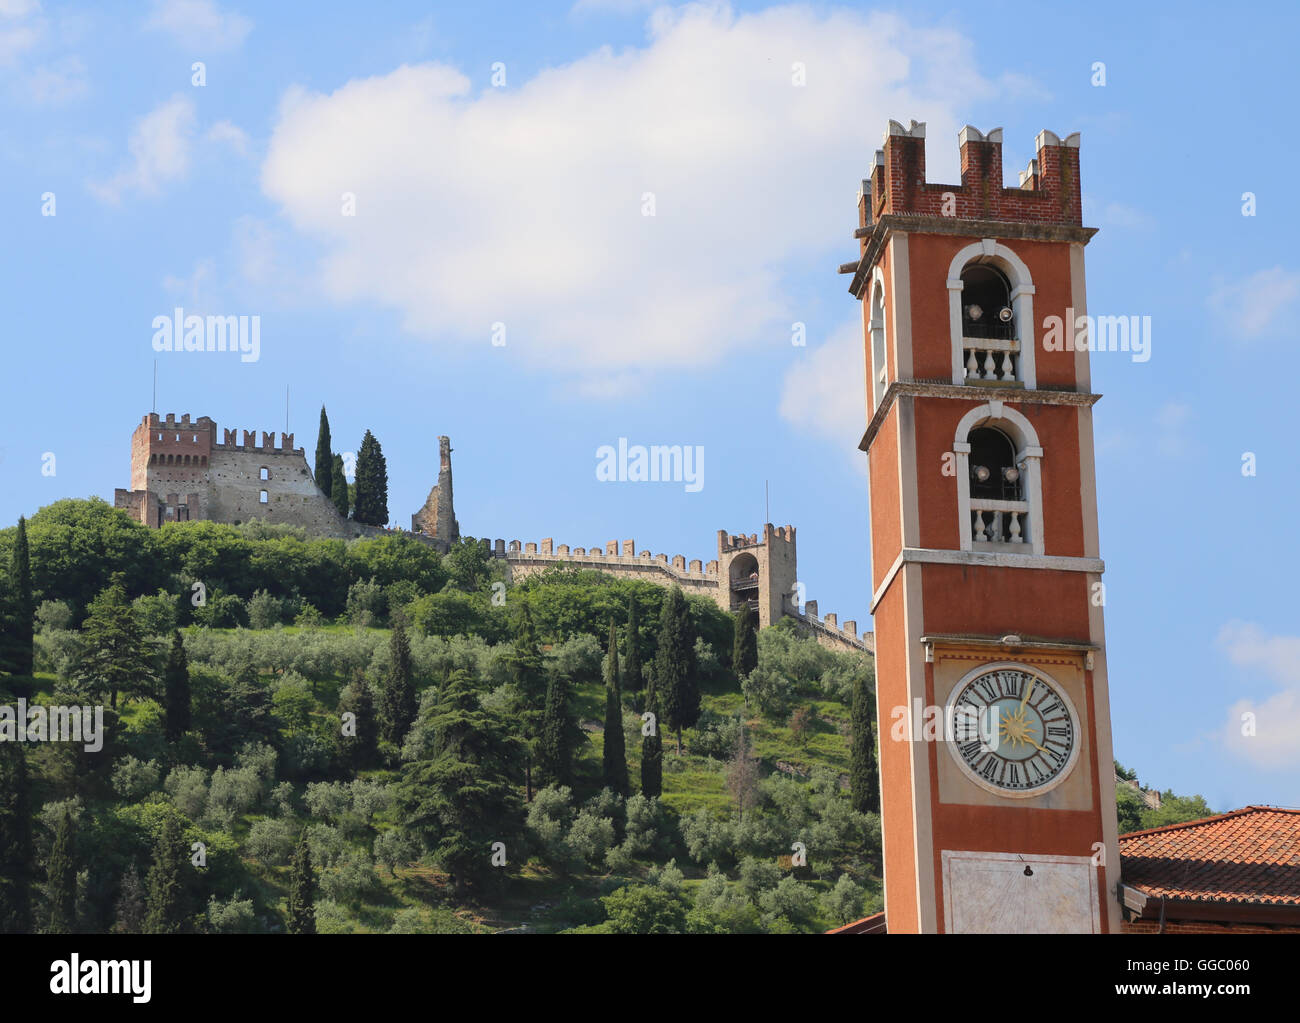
991,316
876,328
998,484
988,325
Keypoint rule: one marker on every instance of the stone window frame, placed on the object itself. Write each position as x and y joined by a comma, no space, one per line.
994,253
264,497
876,332
264,469
1028,450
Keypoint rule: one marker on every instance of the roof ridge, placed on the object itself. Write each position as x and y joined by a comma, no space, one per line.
1253,808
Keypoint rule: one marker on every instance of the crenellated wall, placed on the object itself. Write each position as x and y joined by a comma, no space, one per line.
770,556
180,472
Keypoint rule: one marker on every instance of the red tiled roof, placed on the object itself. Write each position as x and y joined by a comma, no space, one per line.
874,924
1248,856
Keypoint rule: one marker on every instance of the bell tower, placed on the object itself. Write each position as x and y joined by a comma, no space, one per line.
997,789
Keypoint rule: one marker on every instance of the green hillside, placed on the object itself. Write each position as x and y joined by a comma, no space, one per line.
429,739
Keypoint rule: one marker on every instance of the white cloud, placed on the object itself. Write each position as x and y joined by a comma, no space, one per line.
1119,215
199,293
57,83
1253,305
18,8
199,24
524,205
1276,720
16,40
824,392
160,145
229,133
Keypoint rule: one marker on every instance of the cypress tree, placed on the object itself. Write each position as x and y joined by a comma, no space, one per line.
675,683
339,487
61,877
559,732
361,750
529,680
176,690
15,842
864,777
614,758
129,913
324,457
397,702
371,503
302,890
167,899
652,746
632,680
744,650
20,580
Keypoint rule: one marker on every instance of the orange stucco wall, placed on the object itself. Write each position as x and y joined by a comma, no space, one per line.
895,764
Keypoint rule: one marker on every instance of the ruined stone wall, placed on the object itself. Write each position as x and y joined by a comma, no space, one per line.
437,517
234,489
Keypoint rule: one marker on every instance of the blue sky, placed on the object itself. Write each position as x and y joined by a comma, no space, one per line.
522,203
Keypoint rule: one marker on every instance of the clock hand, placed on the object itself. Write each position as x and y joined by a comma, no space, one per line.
1028,689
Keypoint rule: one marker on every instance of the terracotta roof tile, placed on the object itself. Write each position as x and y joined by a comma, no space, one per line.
1248,856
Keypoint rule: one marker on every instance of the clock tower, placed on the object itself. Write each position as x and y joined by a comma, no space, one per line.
997,787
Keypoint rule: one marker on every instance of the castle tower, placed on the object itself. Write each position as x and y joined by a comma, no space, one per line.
997,801
169,467
438,516
759,572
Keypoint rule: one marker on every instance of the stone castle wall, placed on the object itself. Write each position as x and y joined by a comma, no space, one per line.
180,472
619,559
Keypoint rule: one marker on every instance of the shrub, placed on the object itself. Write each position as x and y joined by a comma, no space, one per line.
366,604
757,875
395,848
134,779
233,917
188,787
264,610
270,841
350,879
156,614
309,618
716,735
53,614
591,836
770,692
643,909
844,901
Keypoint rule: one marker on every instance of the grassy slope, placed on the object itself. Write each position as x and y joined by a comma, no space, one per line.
536,896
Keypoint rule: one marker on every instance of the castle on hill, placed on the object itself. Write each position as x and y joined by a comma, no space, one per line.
180,472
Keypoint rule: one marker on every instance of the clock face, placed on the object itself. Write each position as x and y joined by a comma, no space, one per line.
1015,732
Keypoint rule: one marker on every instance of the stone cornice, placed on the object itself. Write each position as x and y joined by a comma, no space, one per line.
962,392
1000,229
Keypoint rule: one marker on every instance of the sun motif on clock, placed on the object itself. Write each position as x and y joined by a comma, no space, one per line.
1014,729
